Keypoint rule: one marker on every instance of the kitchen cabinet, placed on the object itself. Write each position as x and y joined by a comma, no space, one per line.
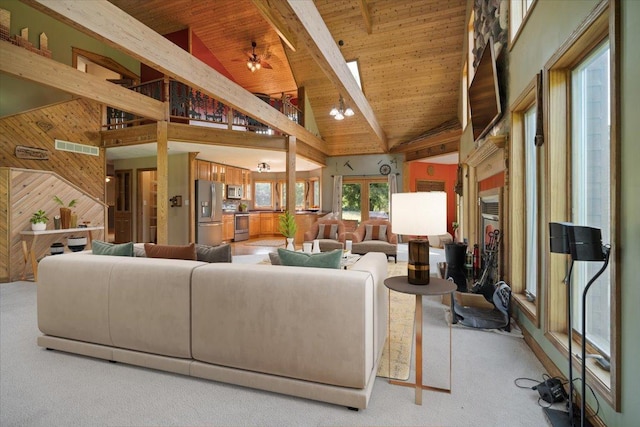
233,176
247,184
267,223
228,227
203,169
254,225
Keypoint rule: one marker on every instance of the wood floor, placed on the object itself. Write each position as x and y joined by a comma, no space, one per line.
241,248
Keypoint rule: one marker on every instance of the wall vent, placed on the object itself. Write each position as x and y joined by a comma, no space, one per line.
77,148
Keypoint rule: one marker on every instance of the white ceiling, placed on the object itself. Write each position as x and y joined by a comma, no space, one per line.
247,158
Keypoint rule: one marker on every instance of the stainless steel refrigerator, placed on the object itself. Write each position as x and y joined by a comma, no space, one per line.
208,212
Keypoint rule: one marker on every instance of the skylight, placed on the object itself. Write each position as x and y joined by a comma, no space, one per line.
353,67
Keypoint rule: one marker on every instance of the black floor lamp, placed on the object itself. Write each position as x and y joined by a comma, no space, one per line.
559,243
584,244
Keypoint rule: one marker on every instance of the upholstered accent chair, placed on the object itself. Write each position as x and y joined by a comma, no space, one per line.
375,235
329,232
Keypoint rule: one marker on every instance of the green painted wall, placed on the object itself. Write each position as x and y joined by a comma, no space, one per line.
19,95
550,24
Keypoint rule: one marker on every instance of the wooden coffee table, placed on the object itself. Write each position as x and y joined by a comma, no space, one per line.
436,286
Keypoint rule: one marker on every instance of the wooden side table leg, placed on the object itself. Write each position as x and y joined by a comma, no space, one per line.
25,256
34,262
418,323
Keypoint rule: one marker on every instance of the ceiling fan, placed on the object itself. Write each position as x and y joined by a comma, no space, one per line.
256,61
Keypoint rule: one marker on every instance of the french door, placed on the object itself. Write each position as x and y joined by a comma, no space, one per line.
364,199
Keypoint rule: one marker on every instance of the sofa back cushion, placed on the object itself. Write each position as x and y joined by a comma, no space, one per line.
311,324
171,251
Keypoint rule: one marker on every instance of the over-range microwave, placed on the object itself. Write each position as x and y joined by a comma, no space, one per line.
234,192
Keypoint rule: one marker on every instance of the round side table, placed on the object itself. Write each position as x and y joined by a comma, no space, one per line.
436,286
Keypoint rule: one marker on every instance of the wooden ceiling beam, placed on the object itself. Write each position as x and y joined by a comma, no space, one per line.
364,7
303,17
111,25
281,29
27,65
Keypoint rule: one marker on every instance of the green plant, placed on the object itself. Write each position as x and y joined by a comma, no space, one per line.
455,225
287,224
40,216
71,204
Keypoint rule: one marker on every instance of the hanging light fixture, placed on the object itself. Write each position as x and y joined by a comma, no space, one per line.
341,112
253,63
263,167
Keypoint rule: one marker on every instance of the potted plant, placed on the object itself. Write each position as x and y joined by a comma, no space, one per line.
65,211
287,227
39,220
455,227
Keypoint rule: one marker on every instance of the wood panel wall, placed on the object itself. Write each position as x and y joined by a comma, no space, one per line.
29,191
4,224
79,121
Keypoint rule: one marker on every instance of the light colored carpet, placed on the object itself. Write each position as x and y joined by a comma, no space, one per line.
52,388
402,315
274,243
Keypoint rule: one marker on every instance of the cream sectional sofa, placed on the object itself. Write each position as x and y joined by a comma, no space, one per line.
308,332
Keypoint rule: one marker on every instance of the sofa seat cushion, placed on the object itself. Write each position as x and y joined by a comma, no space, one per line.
312,324
374,246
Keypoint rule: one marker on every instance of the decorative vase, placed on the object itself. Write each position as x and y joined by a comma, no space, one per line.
76,244
290,246
74,221
316,247
65,217
39,226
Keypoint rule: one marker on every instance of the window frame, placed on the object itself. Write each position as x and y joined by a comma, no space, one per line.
602,23
518,22
531,309
255,193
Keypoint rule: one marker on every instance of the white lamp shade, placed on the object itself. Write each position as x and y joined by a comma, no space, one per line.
419,214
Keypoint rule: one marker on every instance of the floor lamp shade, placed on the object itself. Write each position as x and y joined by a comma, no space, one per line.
419,215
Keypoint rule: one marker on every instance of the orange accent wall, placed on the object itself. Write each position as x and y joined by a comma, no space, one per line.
446,173
494,181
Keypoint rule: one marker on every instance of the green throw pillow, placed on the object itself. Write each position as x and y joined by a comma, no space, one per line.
98,247
302,259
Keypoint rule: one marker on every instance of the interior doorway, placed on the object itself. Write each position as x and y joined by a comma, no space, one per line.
147,206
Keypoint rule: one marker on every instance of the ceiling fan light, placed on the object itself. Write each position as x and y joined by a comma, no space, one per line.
257,65
348,112
334,111
339,116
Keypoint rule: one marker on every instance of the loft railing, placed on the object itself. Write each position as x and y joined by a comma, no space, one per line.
188,105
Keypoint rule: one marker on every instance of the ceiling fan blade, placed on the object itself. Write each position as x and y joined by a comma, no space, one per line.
266,65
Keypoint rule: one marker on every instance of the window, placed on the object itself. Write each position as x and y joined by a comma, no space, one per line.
365,199
526,233
518,12
591,186
300,196
531,203
582,157
263,195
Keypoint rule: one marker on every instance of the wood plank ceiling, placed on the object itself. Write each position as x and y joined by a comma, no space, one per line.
410,61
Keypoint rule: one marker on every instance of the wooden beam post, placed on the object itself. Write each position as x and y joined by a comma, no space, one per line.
291,173
163,184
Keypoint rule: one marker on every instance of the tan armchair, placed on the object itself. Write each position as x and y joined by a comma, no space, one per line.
387,242
327,240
